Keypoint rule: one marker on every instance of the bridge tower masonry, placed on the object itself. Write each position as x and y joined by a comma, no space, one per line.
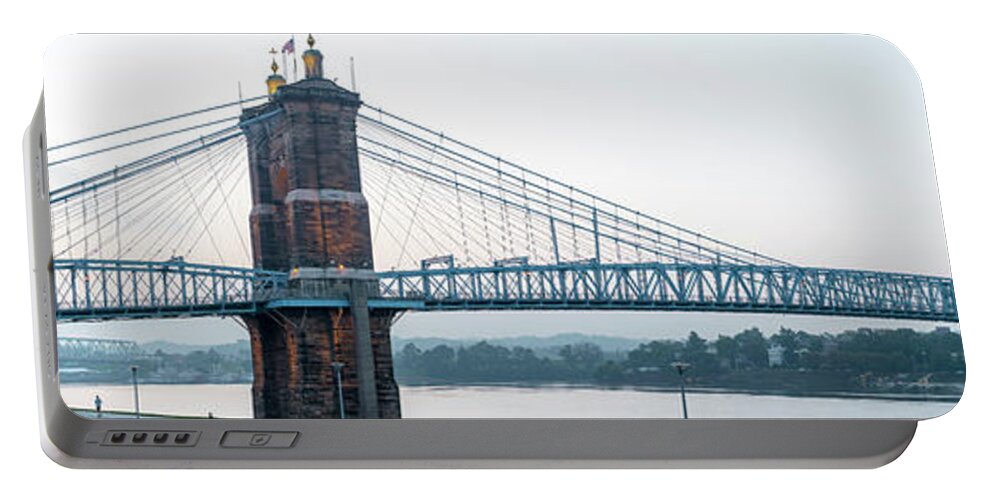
310,219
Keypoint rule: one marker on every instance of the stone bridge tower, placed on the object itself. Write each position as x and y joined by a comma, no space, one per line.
319,351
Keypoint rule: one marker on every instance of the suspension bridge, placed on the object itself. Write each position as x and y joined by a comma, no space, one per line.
473,231
188,215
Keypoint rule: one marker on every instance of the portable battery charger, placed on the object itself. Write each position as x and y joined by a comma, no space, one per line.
486,251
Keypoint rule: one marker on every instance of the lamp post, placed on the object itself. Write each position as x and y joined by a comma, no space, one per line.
134,384
337,366
681,369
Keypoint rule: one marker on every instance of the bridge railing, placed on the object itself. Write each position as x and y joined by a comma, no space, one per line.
686,287
95,289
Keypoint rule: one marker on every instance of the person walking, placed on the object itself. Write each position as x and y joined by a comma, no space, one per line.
98,403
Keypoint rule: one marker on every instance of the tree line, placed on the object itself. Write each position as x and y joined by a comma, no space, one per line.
735,360
208,366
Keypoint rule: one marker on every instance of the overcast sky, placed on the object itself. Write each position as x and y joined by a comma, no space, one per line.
813,149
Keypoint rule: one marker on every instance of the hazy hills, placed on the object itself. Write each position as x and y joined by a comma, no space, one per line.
538,343
235,348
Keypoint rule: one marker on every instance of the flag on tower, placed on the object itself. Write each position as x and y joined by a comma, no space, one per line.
290,47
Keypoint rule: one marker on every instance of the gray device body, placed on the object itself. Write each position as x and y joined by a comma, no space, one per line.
75,441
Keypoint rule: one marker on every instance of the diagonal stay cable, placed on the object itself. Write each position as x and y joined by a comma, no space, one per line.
156,122
139,141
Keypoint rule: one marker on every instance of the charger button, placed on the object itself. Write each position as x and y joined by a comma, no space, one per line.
260,439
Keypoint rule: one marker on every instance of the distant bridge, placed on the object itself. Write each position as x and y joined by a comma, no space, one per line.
90,349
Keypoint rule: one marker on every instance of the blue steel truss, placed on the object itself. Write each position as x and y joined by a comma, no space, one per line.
90,290
678,287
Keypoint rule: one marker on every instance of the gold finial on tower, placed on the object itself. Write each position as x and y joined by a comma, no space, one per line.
313,60
275,80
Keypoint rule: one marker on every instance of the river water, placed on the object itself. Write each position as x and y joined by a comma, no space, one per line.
234,401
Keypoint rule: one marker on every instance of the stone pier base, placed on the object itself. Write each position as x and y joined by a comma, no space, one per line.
292,353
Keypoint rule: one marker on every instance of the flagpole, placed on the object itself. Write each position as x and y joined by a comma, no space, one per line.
351,69
294,40
286,69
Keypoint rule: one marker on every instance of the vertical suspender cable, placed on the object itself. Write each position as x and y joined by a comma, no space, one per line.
117,214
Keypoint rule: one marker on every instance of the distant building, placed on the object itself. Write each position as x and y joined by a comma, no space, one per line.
776,352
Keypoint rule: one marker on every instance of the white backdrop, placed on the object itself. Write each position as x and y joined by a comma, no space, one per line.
949,44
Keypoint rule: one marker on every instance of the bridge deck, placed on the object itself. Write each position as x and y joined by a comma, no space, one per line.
89,290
